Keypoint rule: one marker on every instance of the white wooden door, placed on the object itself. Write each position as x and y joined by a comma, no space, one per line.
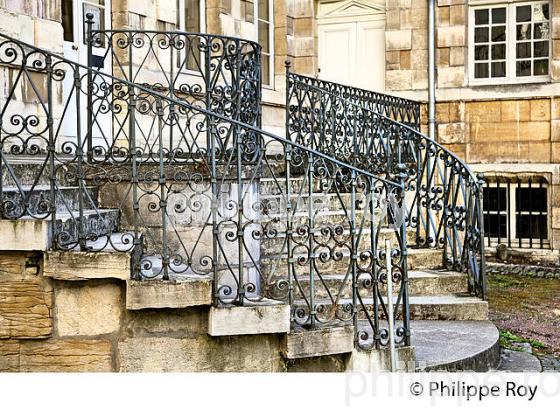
337,52
75,119
351,42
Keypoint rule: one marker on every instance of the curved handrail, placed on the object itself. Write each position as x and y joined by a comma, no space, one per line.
420,136
411,108
450,219
204,111
181,32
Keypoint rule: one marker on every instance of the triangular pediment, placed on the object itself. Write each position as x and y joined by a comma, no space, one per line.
346,8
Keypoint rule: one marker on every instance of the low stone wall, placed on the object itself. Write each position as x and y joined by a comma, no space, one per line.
523,270
51,325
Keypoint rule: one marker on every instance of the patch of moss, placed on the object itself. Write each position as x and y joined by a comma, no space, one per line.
507,339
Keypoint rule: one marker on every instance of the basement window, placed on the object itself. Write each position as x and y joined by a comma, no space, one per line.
516,213
510,43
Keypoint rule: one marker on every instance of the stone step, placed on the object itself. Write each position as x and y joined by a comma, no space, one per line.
266,316
455,345
277,243
175,293
33,200
277,264
106,257
299,186
447,307
420,283
37,234
29,170
332,201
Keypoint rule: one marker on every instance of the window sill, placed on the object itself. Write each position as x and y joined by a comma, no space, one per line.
496,83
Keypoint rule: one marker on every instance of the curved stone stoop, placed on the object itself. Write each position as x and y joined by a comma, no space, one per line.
455,345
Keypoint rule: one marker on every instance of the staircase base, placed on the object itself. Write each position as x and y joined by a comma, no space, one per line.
265,317
174,294
318,342
455,345
380,360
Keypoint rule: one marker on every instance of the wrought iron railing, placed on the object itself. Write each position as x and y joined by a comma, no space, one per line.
401,110
192,192
443,196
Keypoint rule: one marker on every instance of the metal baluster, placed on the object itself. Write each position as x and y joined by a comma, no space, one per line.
51,147
404,252
240,241
171,99
374,238
133,152
80,161
311,238
212,135
354,251
482,278
208,99
162,193
89,102
289,225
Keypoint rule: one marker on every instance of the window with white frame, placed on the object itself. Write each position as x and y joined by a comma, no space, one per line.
509,43
264,18
191,17
516,213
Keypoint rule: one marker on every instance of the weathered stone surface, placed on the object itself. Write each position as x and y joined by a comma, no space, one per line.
380,360
168,294
228,354
56,356
20,266
318,342
181,323
88,310
455,345
66,356
9,355
448,308
332,363
24,235
87,265
25,310
398,39
249,320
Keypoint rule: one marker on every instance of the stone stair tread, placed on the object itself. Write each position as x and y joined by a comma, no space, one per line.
109,244
346,252
454,345
180,272
64,216
457,299
413,274
42,187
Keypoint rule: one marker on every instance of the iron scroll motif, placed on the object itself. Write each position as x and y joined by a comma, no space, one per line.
444,197
191,187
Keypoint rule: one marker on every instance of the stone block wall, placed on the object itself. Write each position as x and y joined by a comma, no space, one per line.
407,44
75,326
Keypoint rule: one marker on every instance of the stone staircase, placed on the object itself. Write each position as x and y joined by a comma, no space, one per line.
439,298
